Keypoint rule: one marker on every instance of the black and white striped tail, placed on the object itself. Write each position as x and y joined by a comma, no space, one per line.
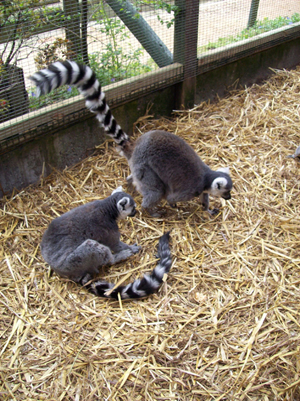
141,287
82,76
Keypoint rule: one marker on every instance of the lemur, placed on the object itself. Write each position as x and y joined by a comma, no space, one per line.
163,166
79,242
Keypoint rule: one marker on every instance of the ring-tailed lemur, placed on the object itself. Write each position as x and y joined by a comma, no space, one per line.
163,166
78,243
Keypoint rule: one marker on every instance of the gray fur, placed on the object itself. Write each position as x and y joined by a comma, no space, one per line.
77,243
163,166
143,287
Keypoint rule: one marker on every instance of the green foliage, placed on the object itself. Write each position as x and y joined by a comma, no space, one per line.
259,27
160,5
110,65
18,21
113,64
55,96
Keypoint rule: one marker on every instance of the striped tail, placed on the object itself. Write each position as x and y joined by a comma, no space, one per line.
141,287
80,75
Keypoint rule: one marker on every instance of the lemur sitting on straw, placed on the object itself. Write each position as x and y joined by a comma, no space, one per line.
78,243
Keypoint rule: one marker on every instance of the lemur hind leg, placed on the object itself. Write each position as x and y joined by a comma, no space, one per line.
174,197
152,190
85,261
151,198
130,184
129,180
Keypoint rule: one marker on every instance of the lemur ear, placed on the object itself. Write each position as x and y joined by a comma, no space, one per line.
224,170
119,189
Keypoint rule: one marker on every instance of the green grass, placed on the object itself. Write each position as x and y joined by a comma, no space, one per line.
259,27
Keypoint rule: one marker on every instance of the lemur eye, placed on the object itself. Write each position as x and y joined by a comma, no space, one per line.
219,186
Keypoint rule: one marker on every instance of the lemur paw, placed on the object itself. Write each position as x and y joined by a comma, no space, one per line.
214,212
154,212
135,248
85,279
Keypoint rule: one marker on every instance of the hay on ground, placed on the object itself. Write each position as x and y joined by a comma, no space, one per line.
226,323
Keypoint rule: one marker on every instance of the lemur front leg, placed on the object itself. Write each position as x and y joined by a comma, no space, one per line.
204,199
123,251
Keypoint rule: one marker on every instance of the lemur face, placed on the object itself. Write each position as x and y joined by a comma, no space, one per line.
221,188
126,207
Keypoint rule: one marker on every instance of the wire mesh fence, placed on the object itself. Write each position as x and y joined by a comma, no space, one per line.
158,41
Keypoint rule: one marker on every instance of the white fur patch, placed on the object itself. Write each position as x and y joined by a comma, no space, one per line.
135,285
119,189
107,128
96,102
63,72
86,77
53,81
152,282
224,170
124,207
75,71
101,117
218,182
160,270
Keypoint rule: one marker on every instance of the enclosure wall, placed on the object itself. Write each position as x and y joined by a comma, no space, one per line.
24,164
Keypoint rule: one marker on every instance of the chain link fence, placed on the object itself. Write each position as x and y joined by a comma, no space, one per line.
134,47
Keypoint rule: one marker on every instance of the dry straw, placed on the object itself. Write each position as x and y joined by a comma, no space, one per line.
226,323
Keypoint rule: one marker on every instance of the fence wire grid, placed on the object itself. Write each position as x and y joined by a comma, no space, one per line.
122,40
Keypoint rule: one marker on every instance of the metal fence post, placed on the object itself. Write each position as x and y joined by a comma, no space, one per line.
185,49
72,26
253,13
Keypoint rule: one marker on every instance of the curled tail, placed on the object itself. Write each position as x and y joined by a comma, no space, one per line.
141,287
82,76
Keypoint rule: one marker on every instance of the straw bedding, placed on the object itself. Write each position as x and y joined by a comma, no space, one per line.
226,323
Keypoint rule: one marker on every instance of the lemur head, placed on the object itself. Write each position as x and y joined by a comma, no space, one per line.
222,184
125,203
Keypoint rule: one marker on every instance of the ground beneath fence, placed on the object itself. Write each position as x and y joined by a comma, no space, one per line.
224,325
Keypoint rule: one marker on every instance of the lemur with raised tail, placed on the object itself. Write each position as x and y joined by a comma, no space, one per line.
163,166
79,242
